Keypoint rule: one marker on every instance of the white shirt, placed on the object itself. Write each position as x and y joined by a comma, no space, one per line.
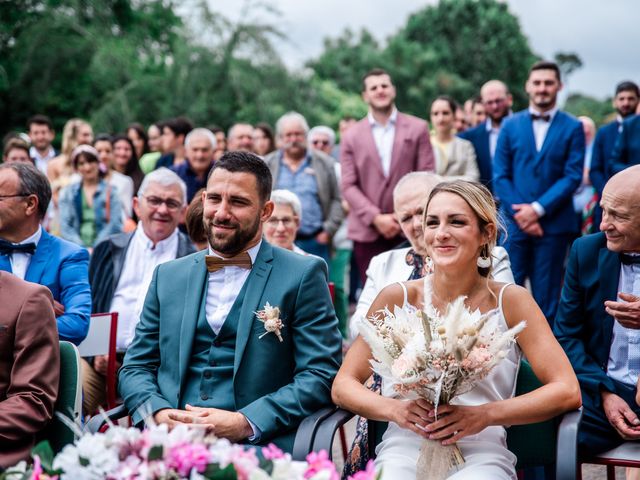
42,161
540,129
624,355
140,261
383,136
20,261
223,289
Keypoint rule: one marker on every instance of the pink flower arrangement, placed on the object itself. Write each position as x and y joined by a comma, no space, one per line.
272,452
187,456
319,462
368,474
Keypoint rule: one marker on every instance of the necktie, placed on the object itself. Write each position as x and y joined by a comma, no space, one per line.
417,262
545,117
242,260
629,259
8,248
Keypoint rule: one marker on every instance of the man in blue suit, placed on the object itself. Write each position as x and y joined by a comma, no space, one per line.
31,254
625,103
626,151
241,338
497,103
537,167
598,320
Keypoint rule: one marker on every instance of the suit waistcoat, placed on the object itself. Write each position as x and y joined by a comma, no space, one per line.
209,380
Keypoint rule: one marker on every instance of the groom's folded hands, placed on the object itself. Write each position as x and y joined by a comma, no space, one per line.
222,423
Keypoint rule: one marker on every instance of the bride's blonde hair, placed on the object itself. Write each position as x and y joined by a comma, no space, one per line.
480,200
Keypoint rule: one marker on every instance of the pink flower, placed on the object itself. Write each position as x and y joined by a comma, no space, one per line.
244,461
184,457
37,468
368,474
271,452
477,358
319,462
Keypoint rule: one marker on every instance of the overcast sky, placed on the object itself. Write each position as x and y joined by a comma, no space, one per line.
605,34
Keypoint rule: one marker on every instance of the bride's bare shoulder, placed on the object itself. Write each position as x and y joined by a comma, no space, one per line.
389,296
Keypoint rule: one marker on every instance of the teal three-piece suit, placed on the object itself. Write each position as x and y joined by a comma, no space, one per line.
176,359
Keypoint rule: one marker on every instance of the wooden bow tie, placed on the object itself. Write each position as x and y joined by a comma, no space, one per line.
242,260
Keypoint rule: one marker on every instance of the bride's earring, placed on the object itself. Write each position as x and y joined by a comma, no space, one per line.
484,260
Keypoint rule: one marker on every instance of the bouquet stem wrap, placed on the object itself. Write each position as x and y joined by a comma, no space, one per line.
435,460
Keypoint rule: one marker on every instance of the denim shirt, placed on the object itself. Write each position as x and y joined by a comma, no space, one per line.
71,212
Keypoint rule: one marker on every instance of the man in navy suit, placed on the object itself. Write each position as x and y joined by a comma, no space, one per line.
497,103
598,320
537,167
31,254
626,151
625,103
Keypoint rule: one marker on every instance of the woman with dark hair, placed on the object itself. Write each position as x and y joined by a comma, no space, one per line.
455,157
263,139
89,209
125,160
138,137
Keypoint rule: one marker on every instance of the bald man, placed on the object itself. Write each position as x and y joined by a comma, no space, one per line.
497,102
598,320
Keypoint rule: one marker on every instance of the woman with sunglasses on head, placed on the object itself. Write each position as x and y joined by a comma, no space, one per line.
90,210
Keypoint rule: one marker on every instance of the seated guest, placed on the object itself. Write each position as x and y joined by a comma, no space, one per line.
455,157
201,354
125,160
174,132
41,134
137,135
16,150
123,183
200,144
30,253
322,138
90,209
148,161
193,222
282,226
122,265
598,319
221,141
263,140
29,366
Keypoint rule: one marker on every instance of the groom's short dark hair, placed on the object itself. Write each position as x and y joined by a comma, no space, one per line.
246,162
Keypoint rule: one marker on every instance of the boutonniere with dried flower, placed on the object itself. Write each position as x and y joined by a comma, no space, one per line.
270,316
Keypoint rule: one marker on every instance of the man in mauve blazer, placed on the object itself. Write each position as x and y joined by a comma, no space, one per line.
598,319
497,103
29,365
537,167
59,265
375,153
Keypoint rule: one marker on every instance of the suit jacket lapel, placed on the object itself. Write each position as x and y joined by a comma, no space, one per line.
5,263
609,273
550,138
370,146
258,278
39,259
119,253
195,289
398,143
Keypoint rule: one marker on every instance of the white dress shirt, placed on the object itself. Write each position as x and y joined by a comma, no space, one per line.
540,129
140,261
223,289
42,161
20,261
624,355
383,135
493,136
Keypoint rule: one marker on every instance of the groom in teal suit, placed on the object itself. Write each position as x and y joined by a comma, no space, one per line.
209,351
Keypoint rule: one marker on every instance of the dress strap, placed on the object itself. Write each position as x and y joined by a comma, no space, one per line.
406,296
500,295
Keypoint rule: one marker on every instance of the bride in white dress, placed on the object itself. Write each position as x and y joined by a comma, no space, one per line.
460,226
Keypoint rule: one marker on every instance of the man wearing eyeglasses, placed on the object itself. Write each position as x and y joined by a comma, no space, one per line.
121,266
311,175
497,102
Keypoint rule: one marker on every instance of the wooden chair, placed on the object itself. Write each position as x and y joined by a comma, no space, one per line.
101,340
625,455
546,443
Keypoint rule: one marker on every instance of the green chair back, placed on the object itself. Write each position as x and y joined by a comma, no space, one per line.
69,399
533,444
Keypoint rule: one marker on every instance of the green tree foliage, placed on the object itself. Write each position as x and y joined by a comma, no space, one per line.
600,111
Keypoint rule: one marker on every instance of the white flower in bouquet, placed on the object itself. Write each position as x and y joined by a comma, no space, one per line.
89,458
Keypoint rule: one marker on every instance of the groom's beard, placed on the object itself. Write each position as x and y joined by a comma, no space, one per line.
235,241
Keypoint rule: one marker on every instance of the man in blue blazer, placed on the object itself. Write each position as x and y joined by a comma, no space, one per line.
537,167
29,252
497,103
625,103
626,151
598,320
242,338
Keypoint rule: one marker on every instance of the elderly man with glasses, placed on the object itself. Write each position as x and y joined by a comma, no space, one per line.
311,175
121,267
